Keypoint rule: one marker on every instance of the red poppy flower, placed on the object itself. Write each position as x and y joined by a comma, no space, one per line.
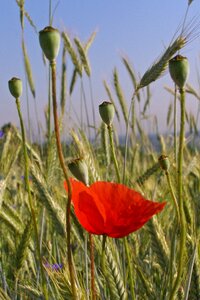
111,209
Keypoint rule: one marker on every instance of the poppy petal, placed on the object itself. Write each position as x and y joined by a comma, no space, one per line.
130,223
110,208
88,210
126,210
88,213
78,187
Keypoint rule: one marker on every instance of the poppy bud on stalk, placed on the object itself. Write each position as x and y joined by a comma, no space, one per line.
107,112
49,39
15,87
179,70
79,169
164,162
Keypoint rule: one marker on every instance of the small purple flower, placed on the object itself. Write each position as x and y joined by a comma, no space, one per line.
57,267
1,134
54,267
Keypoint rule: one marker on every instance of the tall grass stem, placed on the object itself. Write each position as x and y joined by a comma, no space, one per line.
126,137
129,269
85,104
26,175
92,103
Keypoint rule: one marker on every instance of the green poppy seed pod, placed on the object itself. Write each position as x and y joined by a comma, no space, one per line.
15,87
179,70
107,112
164,162
79,169
49,39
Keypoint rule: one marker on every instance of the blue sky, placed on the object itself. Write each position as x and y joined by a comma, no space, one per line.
138,29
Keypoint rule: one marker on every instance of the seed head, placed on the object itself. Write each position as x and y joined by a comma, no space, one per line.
179,70
49,39
107,112
15,87
79,169
164,162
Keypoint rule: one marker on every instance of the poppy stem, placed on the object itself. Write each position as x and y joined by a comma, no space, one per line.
175,123
92,267
129,269
180,197
103,253
173,195
26,177
110,132
86,266
103,256
65,172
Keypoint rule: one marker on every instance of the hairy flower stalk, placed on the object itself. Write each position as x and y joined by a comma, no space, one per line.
175,124
103,255
110,132
165,165
125,242
49,39
93,289
62,163
15,87
173,195
79,169
106,110
179,70
180,197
